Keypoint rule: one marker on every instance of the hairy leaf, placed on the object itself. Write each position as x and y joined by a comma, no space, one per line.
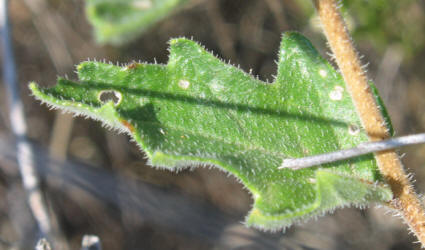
200,110
119,21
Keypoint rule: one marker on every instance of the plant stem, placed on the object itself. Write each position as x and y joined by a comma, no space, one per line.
405,199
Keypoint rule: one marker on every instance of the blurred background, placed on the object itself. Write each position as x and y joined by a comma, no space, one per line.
96,181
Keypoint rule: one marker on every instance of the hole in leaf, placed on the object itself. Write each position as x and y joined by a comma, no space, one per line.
110,95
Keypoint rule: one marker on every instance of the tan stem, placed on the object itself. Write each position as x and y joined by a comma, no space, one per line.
405,199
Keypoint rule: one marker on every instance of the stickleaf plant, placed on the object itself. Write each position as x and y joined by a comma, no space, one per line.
198,110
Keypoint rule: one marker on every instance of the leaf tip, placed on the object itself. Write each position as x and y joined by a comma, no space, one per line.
36,91
33,86
178,40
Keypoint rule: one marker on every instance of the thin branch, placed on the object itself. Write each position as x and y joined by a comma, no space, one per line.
24,153
361,149
405,199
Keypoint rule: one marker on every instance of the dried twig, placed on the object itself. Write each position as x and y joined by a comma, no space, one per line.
405,199
24,153
362,149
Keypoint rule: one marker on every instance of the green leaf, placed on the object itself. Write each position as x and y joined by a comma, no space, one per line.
200,110
119,21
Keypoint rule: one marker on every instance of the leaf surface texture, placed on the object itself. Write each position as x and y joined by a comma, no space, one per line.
199,110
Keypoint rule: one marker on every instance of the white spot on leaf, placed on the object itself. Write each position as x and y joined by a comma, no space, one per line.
323,73
143,100
184,84
353,129
216,86
337,93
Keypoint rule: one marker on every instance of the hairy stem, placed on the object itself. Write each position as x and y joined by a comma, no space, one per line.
405,199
